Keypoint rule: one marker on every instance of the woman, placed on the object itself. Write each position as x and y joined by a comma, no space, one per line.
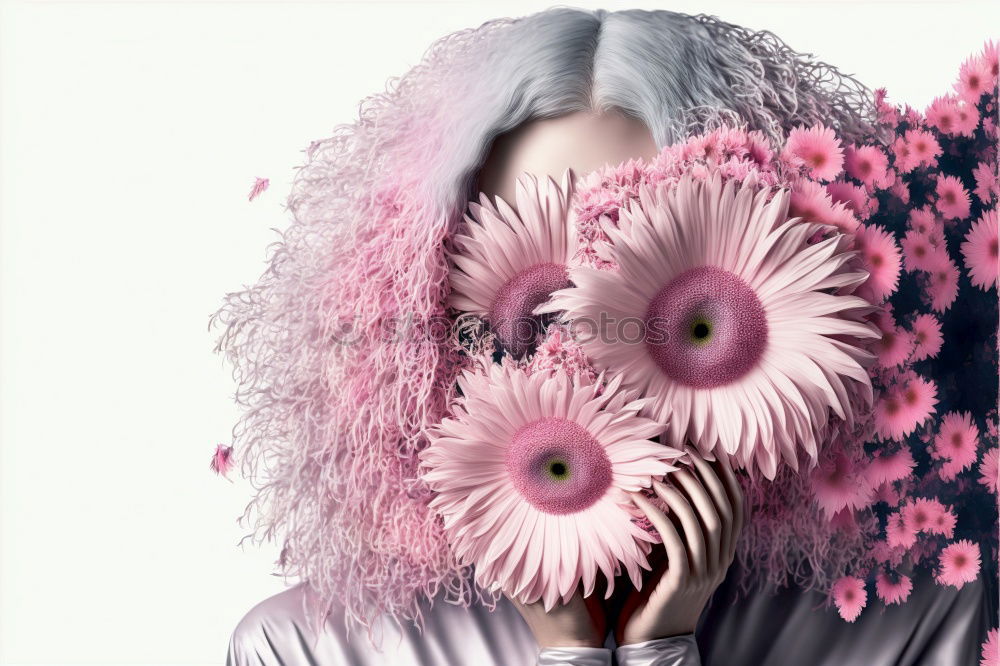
337,409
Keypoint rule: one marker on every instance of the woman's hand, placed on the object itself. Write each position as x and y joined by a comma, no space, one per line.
699,538
578,623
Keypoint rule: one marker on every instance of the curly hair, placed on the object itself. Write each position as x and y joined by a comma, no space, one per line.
334,411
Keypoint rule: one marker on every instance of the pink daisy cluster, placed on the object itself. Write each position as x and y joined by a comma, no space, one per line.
920,488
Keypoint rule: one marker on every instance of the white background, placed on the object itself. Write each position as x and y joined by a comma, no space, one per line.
130,134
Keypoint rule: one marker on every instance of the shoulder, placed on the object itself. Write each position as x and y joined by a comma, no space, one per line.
278,631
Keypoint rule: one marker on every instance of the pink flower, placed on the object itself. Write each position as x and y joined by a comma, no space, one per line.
903,408
959,563
968,119
894,588
980,250
943,114
974,79
989,469
917,251
897,533
921,514
957,440
896,344
924,148
867,164
850,597
906,159
838,484
508,262
882,260
532,475
927,337
893,467
812,202
222,460
260,185
687,255
819,149
853,196
942,287
987,181
953,199
990,650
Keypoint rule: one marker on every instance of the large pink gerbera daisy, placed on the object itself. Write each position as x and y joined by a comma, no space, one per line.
720,312
959,563
819,149
511,261
532,474
850,597
893,588
981,250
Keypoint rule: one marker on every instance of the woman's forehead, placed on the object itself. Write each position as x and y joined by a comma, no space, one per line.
582,141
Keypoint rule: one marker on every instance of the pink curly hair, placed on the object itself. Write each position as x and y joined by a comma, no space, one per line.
334,413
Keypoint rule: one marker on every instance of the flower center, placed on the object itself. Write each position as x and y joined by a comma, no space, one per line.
558,466
706,328
510,316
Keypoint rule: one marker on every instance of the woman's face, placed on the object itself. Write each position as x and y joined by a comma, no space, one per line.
582,141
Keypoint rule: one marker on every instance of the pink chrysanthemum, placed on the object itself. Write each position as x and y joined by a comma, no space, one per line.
531,477
905,161
511,261
893,467
560,352
989,469
904,407
953,199
927,337
737,339
838,484
957,440
813,203
923,148
850,597
968,119
943,115
867,164
882,260
974,79
918,251
819,149
942,282
959,563
897,533
893,588
990,649
896,344
987,181
921,514
980,250
854,197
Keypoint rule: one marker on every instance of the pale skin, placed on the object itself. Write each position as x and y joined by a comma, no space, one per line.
705,502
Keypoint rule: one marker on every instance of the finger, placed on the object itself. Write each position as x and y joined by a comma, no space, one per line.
678,567
679,506
717,491
735,497
706,514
